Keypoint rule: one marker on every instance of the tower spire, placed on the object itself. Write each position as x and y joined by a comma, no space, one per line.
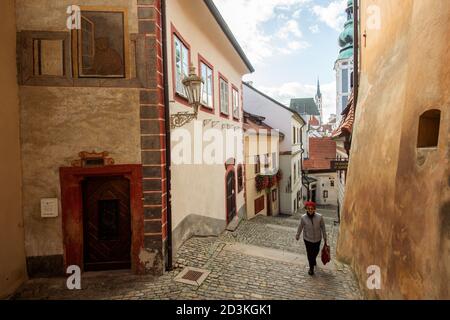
319,93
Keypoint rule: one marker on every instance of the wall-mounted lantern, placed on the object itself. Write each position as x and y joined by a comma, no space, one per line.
193,86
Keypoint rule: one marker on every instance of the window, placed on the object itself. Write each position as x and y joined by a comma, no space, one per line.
257,165
207,97
274,160
345,81
274,195
294,136
295,172
224,96
235,103
351,80
240,178
325,194
266,161
344,102
332,183
429,126
181,65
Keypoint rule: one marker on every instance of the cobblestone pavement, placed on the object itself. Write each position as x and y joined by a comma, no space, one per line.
234,274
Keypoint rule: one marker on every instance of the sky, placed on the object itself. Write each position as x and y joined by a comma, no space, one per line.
290,43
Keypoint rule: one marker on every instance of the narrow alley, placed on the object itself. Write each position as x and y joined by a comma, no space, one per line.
259,260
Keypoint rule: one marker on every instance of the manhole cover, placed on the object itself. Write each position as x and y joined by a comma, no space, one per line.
192,276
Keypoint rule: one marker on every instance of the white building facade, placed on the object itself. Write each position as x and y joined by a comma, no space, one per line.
293,126
206,194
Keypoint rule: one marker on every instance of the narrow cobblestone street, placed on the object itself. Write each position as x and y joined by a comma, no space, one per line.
260,260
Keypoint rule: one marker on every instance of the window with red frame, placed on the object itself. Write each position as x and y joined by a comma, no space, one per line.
235,104
207,86
181,65
224,96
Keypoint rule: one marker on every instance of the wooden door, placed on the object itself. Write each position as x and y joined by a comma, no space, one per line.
269,204
231,196
106,223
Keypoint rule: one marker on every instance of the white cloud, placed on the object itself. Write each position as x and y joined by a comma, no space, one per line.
290,28
314,29
332,15
296,14
287,91
247,25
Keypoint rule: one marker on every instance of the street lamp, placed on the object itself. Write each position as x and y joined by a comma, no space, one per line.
193,86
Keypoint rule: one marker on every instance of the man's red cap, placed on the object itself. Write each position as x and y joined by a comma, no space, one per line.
310,204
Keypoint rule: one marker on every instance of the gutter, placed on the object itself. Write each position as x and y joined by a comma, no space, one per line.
169,266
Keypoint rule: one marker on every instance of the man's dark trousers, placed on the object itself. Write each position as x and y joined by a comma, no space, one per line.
312,249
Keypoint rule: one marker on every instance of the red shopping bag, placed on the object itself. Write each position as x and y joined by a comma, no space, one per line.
326,256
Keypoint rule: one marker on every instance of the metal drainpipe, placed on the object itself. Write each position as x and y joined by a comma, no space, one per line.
167,129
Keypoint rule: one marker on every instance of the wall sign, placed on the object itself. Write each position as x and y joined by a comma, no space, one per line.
49,208
339,165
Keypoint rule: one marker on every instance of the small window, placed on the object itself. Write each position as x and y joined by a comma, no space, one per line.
257,165
181,65
295,172
207,87
224,97
274,161
274,195
345,81
332,183
325,194
266,161
295,136
235,104
344,102
429,125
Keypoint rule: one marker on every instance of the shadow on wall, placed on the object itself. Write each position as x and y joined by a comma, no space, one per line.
195,225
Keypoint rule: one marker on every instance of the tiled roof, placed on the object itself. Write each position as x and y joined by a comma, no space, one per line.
255,122
305,106
321,152
346,125
314,122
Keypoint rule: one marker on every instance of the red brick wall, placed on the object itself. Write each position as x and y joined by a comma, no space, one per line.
153,135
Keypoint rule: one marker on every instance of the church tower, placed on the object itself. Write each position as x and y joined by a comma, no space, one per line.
319,102
344,63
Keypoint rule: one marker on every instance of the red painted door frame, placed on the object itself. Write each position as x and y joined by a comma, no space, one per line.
72,210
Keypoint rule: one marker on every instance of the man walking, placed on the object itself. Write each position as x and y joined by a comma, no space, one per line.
313,227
